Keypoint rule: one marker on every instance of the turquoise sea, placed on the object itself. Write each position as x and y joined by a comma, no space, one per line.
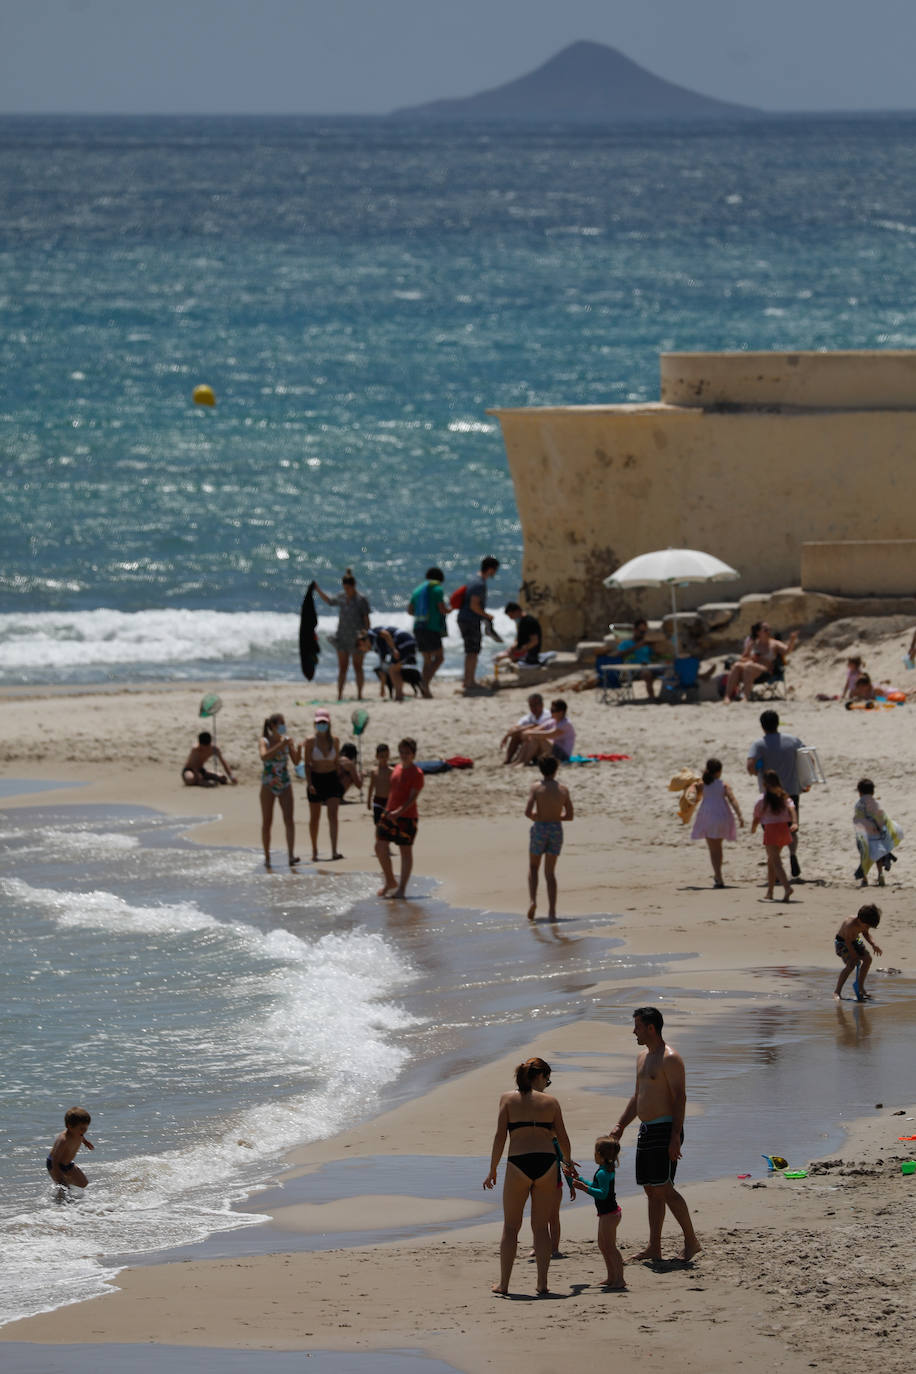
357,294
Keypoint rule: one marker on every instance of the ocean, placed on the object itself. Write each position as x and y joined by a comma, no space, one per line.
357,294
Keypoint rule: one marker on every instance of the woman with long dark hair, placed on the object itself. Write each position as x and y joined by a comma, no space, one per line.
276,750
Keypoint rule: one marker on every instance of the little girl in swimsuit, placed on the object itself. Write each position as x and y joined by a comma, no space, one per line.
775,811
601,1188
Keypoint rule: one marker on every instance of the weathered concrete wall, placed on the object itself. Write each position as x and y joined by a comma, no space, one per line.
859,567
596,485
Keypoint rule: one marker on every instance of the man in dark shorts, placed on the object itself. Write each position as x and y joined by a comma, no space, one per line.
429,608
472,615
398,822
660,1101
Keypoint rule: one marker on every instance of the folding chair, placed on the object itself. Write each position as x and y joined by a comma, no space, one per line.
771,687
682,678
613,684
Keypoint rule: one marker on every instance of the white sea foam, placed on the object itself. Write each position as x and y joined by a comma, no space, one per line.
312,1011
58,642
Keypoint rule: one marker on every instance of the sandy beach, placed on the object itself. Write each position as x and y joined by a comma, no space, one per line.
776,1251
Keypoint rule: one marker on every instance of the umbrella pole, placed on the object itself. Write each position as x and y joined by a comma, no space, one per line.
674,614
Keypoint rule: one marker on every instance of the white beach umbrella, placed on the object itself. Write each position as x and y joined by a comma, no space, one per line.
668,568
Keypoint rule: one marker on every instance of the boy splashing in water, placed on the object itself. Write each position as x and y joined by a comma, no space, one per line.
60,1161
549,805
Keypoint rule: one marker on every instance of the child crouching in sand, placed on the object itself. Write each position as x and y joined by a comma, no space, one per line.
601,1188
60,1161
549,805
775,811
850,947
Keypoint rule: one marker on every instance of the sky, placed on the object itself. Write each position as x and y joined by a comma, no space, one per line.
372,56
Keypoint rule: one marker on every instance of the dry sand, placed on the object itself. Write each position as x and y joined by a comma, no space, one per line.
794,1274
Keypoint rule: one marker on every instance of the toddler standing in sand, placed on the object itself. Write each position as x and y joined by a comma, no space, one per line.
601,1188
60,1161
549,805
775,811
715,820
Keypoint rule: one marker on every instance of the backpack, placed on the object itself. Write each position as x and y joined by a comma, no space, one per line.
419,604
456,600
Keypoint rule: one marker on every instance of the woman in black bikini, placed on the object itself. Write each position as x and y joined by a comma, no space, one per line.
529,1119
322,752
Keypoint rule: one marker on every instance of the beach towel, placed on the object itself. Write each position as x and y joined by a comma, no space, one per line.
691,789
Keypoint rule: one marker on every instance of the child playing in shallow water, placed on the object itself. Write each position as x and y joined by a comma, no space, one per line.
549,805
715,821
60,1161
601,1188
775,811
849,945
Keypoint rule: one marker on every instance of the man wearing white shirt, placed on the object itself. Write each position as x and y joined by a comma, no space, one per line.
537,715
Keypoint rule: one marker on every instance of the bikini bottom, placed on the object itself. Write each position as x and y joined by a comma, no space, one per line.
534,1165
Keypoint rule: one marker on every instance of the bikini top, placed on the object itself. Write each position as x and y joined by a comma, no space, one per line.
541,1125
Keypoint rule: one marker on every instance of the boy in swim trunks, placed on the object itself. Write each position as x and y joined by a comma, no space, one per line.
194,774
398,822
60,1161
849,945
549,805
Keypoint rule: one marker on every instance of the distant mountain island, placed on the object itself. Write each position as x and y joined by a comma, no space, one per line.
585,83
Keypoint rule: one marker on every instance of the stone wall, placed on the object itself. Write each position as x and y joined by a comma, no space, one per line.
727,469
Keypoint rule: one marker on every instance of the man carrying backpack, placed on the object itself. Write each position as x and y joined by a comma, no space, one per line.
472,616
429,608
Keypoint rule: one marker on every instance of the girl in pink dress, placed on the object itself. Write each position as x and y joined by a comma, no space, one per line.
775,811
715,820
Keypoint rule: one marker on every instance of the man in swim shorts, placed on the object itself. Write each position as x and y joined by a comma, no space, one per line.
660,1102
549,805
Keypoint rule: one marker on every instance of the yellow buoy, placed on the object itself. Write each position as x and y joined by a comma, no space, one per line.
203,396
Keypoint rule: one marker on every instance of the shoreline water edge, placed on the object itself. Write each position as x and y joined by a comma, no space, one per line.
773,1064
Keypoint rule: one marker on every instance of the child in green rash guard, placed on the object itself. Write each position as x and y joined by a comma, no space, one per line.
601,1188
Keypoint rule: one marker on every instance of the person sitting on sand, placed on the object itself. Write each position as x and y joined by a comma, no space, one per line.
60,1160
195,774
760,658
558,738
855,666
532,1122
549,805
849,945
537,714
527,646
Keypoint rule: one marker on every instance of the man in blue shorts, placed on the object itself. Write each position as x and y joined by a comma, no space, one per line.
660,1102
549,805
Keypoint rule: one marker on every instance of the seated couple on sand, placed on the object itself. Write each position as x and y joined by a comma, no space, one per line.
541,733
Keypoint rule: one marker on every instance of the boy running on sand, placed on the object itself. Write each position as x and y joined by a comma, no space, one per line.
850,947
549,805
60,1161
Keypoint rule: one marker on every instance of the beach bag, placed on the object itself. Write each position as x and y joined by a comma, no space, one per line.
456,600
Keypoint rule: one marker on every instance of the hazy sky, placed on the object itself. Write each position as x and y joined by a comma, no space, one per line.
370,56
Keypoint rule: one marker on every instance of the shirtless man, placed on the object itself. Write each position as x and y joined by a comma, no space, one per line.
660,1101
549,805
194,774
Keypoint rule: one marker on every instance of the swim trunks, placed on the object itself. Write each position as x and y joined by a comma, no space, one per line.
654,1167
428,641
545,837
400,830
378,809
471,634
856,946
64,1168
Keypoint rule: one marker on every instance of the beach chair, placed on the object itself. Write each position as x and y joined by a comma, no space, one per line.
772,687
614,686
682,679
